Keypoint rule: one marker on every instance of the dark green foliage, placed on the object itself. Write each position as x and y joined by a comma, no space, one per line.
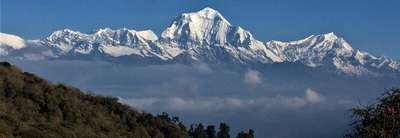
197,131
32,107
381,119
211,131
249,134
223,131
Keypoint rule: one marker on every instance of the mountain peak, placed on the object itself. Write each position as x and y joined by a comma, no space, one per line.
338,40
66,31
208,9
330,36
102,30
209,13
62,33
205,25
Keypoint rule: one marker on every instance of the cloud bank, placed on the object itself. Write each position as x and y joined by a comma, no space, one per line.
218,104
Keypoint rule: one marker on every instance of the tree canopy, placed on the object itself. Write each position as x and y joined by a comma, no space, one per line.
381,119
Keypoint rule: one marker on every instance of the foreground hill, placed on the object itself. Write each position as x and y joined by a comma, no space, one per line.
33,107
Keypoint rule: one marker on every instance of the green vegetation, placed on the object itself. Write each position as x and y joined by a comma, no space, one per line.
32,107
381,119
198,131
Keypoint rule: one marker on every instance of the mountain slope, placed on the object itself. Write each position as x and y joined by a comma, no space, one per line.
103,42
331,51
205,36
32,107
208,37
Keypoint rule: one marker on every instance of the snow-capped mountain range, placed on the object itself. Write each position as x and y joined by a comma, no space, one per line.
202,36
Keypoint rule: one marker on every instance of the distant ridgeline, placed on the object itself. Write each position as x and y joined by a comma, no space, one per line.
33,107
200,36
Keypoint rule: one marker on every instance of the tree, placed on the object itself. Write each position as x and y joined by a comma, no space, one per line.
164,116
223,131
199,132
249,134
211,131
381,119
191,131
241,134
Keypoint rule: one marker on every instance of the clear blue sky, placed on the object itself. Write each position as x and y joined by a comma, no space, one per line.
370,25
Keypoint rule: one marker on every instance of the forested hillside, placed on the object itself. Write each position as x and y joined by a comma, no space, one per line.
33,107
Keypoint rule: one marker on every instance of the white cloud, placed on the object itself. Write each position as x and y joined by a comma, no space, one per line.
252,78
200,104
215,104
312,96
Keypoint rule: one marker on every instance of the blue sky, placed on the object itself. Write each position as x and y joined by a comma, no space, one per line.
369,25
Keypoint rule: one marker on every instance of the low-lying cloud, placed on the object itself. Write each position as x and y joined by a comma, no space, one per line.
252,78
312,96
218,104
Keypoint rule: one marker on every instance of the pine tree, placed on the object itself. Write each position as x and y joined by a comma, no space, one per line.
199,132
241,134
251,133
223,131
191,131
211,131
